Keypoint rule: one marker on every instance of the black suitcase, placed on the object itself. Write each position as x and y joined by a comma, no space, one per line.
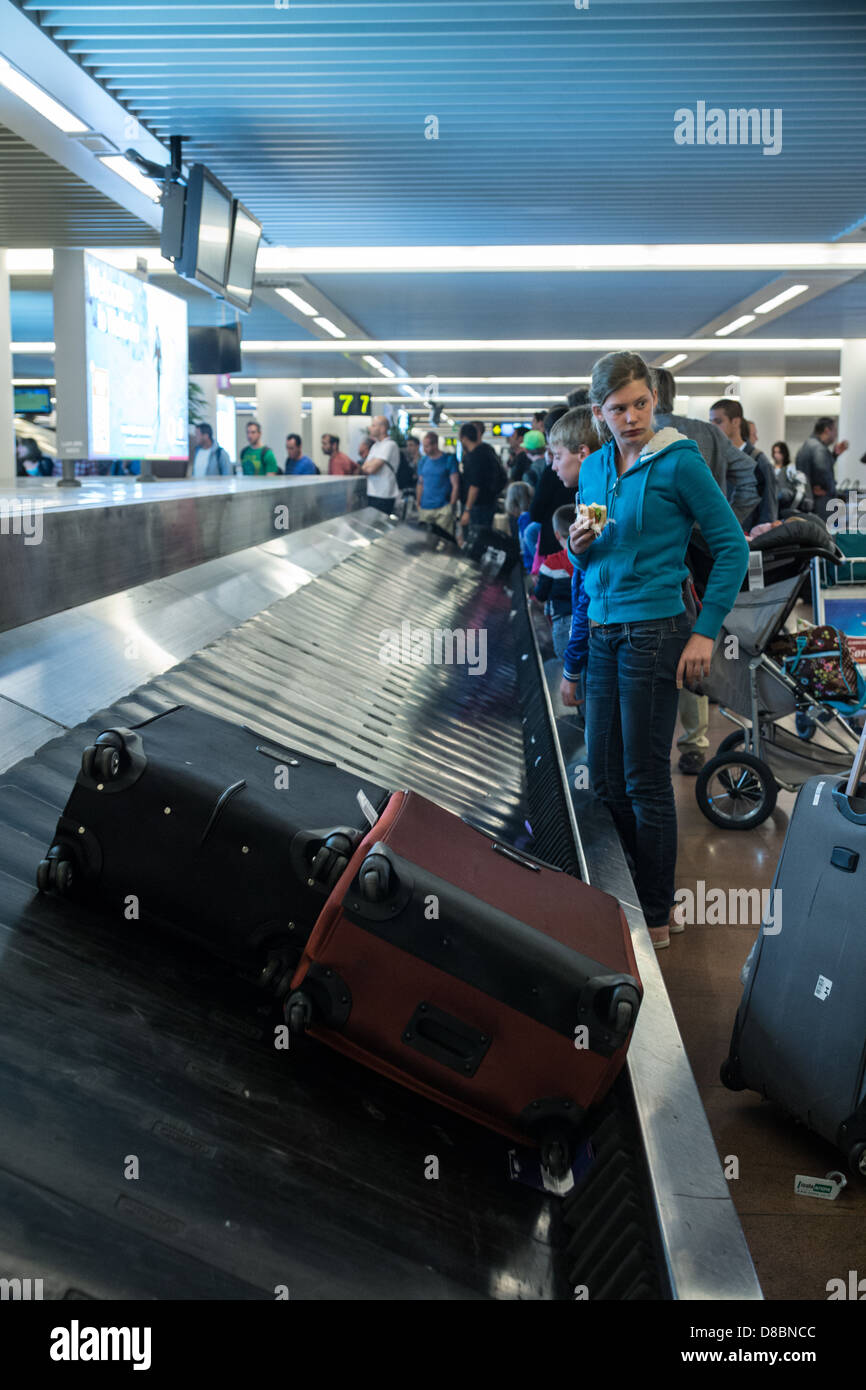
209,829
800,1034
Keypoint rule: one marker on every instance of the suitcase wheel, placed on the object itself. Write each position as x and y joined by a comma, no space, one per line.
556,1155
374,878
103,759
56,873
298,1012
331,859
857,1160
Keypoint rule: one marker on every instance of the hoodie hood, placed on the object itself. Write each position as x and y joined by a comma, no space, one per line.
662,439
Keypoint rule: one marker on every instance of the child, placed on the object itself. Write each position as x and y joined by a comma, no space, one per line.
553,586
517,502
572,439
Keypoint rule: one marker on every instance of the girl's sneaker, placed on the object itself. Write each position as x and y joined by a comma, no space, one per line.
661,936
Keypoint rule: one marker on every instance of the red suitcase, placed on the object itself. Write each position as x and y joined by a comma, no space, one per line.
478,976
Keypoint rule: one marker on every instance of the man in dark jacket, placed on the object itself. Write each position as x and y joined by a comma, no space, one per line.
734,472
732,469
817,459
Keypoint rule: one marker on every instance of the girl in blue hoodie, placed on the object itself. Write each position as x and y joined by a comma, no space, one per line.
642,642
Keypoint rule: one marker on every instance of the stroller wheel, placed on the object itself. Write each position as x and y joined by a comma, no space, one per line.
732,740
736,791
805,725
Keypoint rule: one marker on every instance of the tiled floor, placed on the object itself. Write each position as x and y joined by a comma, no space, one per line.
797,1243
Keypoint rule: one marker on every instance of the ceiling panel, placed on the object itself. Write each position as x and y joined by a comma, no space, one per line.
558,305
554,124
43,204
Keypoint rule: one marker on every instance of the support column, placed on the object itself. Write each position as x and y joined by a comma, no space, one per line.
278,411
763,401
7,407
852,411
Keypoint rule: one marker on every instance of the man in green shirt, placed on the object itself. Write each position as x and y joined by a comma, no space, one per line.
256,458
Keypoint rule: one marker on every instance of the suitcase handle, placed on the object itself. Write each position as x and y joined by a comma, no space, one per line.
446,1039
843,801
859,765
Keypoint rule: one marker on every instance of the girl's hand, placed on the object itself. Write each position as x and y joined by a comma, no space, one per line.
580,535
695,660
567,695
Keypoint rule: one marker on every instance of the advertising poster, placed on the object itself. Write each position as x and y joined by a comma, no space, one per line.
136,351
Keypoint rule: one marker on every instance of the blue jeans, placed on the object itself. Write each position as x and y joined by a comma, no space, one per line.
631,714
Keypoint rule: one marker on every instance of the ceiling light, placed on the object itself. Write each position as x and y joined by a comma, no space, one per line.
374,362
737,323
329,327
38,262
675,361
775,256
790,293
32,349
291,298
15,81
120,165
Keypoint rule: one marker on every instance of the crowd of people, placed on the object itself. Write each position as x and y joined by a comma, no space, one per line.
637,590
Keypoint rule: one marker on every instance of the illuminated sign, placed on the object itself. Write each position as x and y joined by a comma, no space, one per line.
352,403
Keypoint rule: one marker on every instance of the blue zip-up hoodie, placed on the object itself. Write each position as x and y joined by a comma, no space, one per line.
635,569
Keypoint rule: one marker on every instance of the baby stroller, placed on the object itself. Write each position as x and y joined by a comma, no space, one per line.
763,696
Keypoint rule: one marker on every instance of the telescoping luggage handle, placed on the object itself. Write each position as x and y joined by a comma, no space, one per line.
844,799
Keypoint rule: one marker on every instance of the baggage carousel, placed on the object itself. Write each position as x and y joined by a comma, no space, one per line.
154,1144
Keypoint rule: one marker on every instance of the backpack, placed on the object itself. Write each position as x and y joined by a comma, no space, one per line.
406,478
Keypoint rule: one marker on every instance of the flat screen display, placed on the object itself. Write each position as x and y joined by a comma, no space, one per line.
215,351
32,400
135,344
246,234
214,230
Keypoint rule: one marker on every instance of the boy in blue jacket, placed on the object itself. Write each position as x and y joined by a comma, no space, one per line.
572,439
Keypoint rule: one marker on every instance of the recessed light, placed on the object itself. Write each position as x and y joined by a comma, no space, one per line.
126,170
59,116
291,298
790,293
329,327
675,361
737,323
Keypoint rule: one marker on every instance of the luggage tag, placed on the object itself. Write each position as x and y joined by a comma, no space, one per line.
524,1166
828,1187
367,808
756,570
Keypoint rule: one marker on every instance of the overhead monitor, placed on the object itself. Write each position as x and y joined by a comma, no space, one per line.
215,351
207,230
32,400
246,235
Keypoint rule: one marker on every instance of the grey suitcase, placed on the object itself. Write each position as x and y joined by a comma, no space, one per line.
800,1033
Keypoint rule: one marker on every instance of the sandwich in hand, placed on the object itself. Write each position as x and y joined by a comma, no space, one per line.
595,513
